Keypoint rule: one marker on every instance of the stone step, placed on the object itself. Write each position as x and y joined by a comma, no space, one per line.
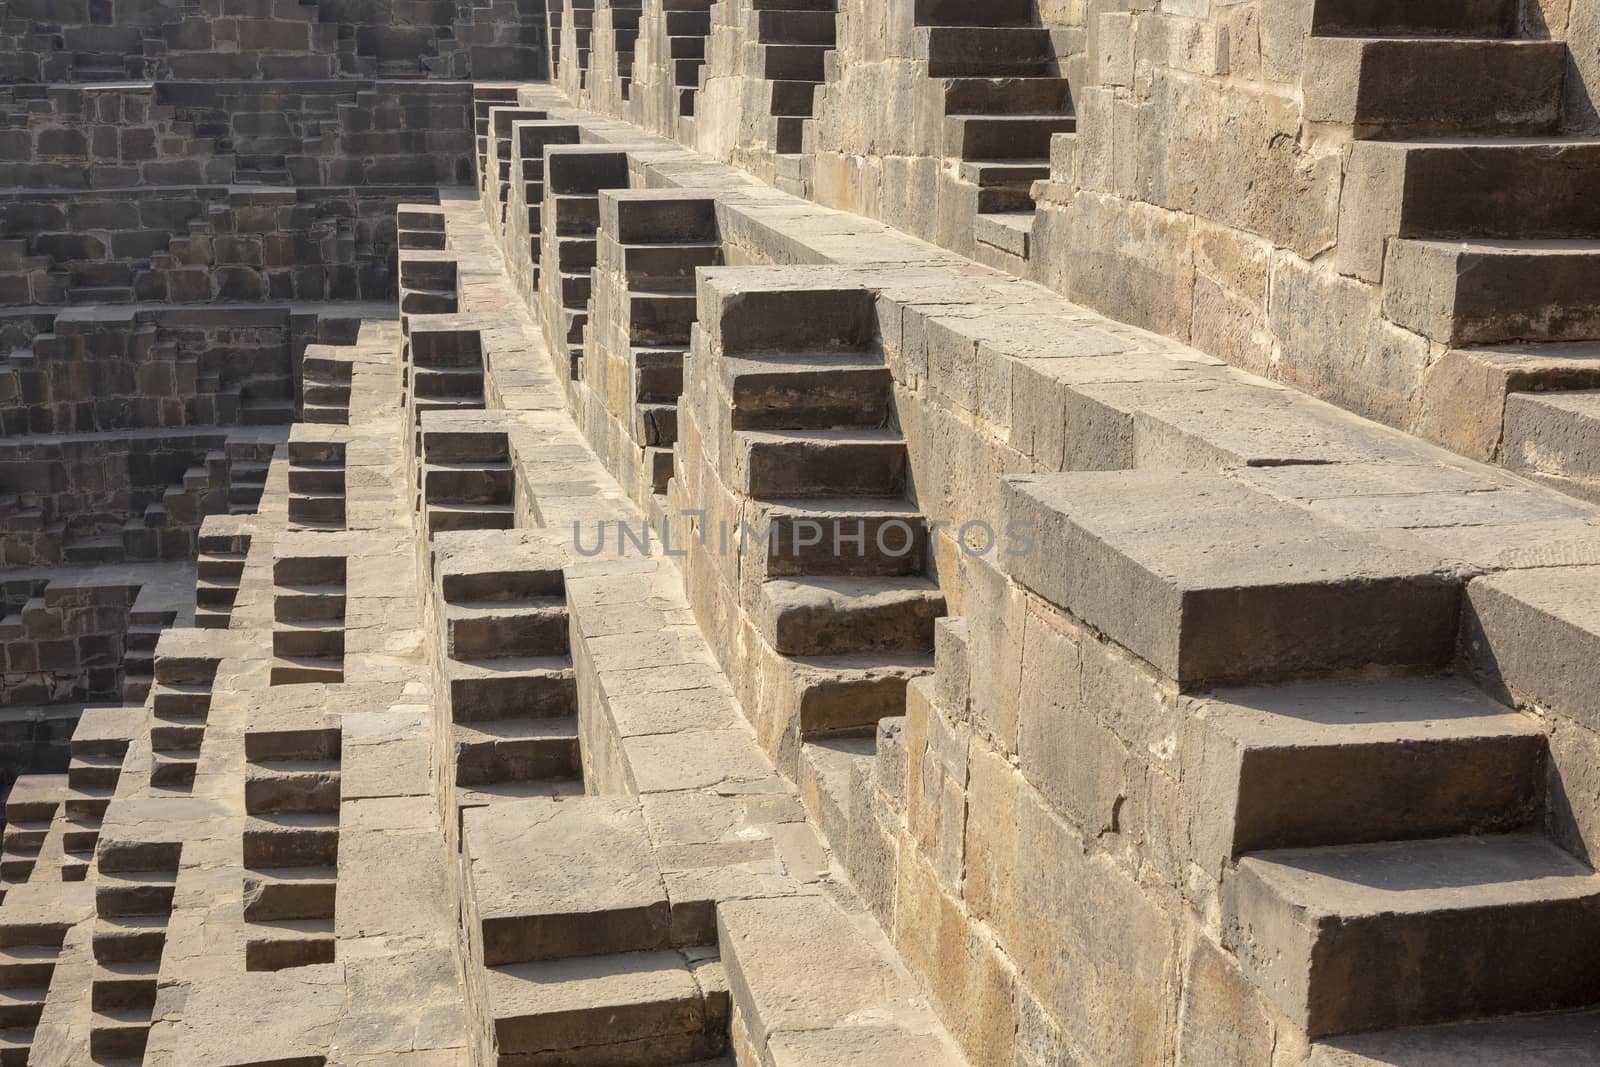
316,478
1383,18
173,702
94,771
21,1007
291,839
129,938
447,383
819,463
216,591
35,797
1555,437
972,12
1492,926
282,943
1414,87
1003,137
185,737
557,878
658,373
512,687
24,838
1511,188
802,964
789,62
306,786
491,629
688,24
1519,1041
657,319
16,1045
686,47
443,517
315,575
118,1034
291,670
1481,292
994,174
827,768
793,27
1041,95
434,345
468,483
87,802
174,770
650,1009
1357,762
290,893
668,267
120,893
459,446
221,565
317,509
299,602
313,639
849,616
985,51
27,966
487,752
124,985
814,392
1212,582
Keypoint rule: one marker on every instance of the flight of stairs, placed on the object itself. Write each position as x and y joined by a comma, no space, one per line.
308,612
291,838
1479,216
501,621
1004,100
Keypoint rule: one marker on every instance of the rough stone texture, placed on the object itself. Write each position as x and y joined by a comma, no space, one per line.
495,739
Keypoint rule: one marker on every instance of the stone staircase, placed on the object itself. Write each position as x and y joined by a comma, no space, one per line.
178,704
501,622
133,894
316,479
308,632
30,809
291,836
1477,214
498,163
594,966
34,923
787,42
464,476
223,545
649,246
524,212
325,385
485,97
671,52
1351,815
1004,100
574,177
792,443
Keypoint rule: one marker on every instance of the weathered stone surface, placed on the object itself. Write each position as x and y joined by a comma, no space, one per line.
1198,593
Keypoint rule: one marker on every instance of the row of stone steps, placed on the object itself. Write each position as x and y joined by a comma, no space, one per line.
1478,217
316,480
308,619
292,796
648,249
503,636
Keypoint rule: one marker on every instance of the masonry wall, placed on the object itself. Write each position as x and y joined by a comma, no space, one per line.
85,40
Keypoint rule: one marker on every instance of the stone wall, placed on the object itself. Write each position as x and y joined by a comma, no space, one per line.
1206,171
85,40
199,244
